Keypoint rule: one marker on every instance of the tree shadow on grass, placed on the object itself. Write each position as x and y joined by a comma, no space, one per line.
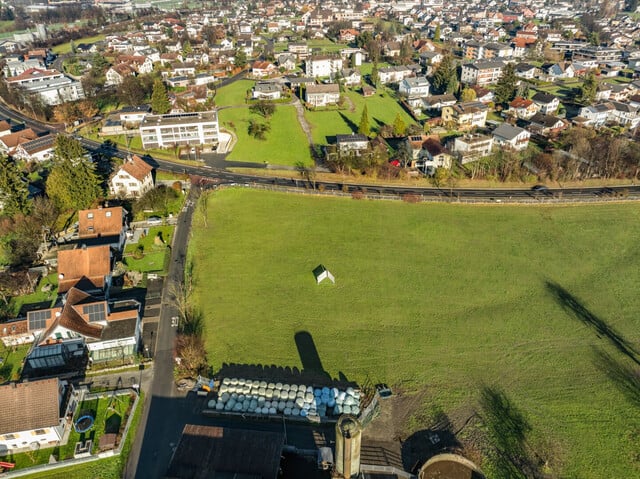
508,429
350,124
601,328
625,377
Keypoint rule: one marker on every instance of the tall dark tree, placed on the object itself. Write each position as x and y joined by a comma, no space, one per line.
588,90
506,86
364,127
13,189
241,58
160,102
131,91
445,77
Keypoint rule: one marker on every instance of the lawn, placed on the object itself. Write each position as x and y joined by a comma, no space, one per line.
382,108
326,46
441,299
38,298
155,255
66,47
234,93
12,358
285,143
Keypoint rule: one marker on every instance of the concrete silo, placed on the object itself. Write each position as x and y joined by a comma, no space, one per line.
348,441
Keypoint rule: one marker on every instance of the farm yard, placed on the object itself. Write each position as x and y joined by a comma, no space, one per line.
449,301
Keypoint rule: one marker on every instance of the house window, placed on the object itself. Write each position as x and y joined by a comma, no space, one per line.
108,214
90,228
90,215
58,336
8,437
39,432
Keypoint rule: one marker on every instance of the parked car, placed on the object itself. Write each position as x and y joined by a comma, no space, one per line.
154,220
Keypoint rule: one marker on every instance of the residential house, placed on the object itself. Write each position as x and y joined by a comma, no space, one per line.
470,148
547,103
116,74
322,95
102,226
482,72
437,102
625,114
527,71
133,115
183,69
555,71
133,179
266,91
263,69
108,330
593,115
178,81
34,414
287,61
9,142
301,50
323,65
351,77
465,116
426,154
203,79
545,125
395,74
39,149
414,87
522,108
353,143
513,137
85,268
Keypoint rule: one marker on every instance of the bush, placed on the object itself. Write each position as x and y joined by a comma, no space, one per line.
177,186
411,198
139,252
157,199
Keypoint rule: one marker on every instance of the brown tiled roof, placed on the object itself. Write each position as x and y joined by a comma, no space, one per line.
100,222
93,263
4,125
30,405
137,167
32,73
14,139
71,318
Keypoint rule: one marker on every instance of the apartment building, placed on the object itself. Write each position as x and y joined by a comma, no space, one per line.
198,128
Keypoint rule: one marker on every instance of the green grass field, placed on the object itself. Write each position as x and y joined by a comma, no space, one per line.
233,94
66,47
442,299
285,144
155,257
382,109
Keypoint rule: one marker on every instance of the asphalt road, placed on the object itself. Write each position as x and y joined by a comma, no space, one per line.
164,412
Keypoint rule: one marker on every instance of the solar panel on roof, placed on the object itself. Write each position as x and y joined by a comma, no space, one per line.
96,312
38,319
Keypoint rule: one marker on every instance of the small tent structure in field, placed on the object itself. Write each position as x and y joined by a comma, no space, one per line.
321,273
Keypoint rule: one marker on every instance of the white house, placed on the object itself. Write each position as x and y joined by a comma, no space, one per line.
34,414
323,66
133,115
51,85
394,74
266,91
322,95
415,87
352,143
40,149
511,136
133,179
197,128
472,147
547,104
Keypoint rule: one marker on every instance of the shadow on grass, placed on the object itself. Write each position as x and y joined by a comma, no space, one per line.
601,328
625,378
350,124
508,429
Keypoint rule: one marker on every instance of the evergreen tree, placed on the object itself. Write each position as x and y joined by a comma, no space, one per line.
13,190
399,126
160,103
588,90
374,75
506,88
445,77
437,33
72,182
364,128
241,58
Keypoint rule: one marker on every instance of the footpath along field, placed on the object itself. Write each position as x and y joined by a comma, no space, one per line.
540,302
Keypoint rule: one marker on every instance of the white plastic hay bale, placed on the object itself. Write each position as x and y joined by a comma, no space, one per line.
295,411
293,387
241,397
276,394
271,386
288,394
357,394
302,387
272,410
267,404
346,410
306,406
299,403
211,403
245,404
224,397
335,392
281,405
312,412
269,393
219,406
285,387
310,389
287,411
234,381
289,404
349,401
238,407
262,391
263,384
226,381
232,401
222,389
337,410
355,410
308,397
228,407
350,391
241,381
254,403
278,386
246,390
261,401
300,395
234,395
